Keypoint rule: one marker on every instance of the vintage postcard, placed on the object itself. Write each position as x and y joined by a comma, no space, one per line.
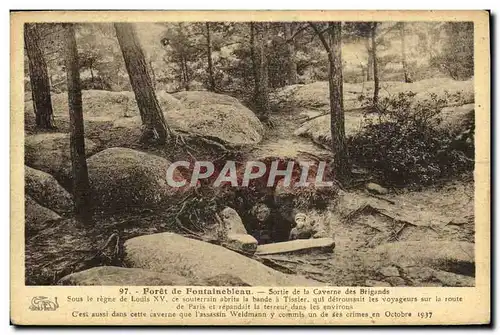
250,168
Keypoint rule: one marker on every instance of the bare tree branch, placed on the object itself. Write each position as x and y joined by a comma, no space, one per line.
321,37
379,38
298,31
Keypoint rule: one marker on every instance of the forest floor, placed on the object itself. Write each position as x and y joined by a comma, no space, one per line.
360,222
365,228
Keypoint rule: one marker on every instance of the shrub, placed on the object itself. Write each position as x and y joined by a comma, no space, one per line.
405,148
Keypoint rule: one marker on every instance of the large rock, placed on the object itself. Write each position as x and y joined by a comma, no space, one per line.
172,253
217,115
121,178
36,216
456,120
45,189
234,235
98,103
315,96
231,124
100,110
323,245
449,256
118,276
453,279
232,221
194,99
50,152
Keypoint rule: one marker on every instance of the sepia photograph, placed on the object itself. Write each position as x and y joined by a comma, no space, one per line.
249,153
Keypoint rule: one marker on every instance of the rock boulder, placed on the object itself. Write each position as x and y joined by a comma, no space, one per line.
124,178
50,152
45,189
173,253
36,216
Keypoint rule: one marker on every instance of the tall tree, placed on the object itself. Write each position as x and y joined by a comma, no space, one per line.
210,68
39,78
402,32
367,31
155,127
259,36
376,79
81,189
369,65
331,38
291,65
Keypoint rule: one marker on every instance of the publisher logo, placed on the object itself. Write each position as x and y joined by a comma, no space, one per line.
41,303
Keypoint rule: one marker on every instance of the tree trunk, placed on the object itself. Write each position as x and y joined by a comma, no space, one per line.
187,79
336,89
210,69
155,127
91,75
403,54
376,83
261,31
253,53
290,61
369,65
81,188
39,79
153,74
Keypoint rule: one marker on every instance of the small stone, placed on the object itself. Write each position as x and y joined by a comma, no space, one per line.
242,242
389,271
376,189
376,283
396,281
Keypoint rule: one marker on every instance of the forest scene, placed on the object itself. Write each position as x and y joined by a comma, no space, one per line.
113,112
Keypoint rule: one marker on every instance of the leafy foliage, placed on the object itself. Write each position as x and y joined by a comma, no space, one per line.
405,148
457,55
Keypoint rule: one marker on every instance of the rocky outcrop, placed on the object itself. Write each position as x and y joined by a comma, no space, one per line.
123,178
37,217
234,235
232,221
118,276
45,189
451,256
50,152
172,253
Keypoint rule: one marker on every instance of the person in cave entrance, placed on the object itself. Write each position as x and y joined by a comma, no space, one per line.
267,224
